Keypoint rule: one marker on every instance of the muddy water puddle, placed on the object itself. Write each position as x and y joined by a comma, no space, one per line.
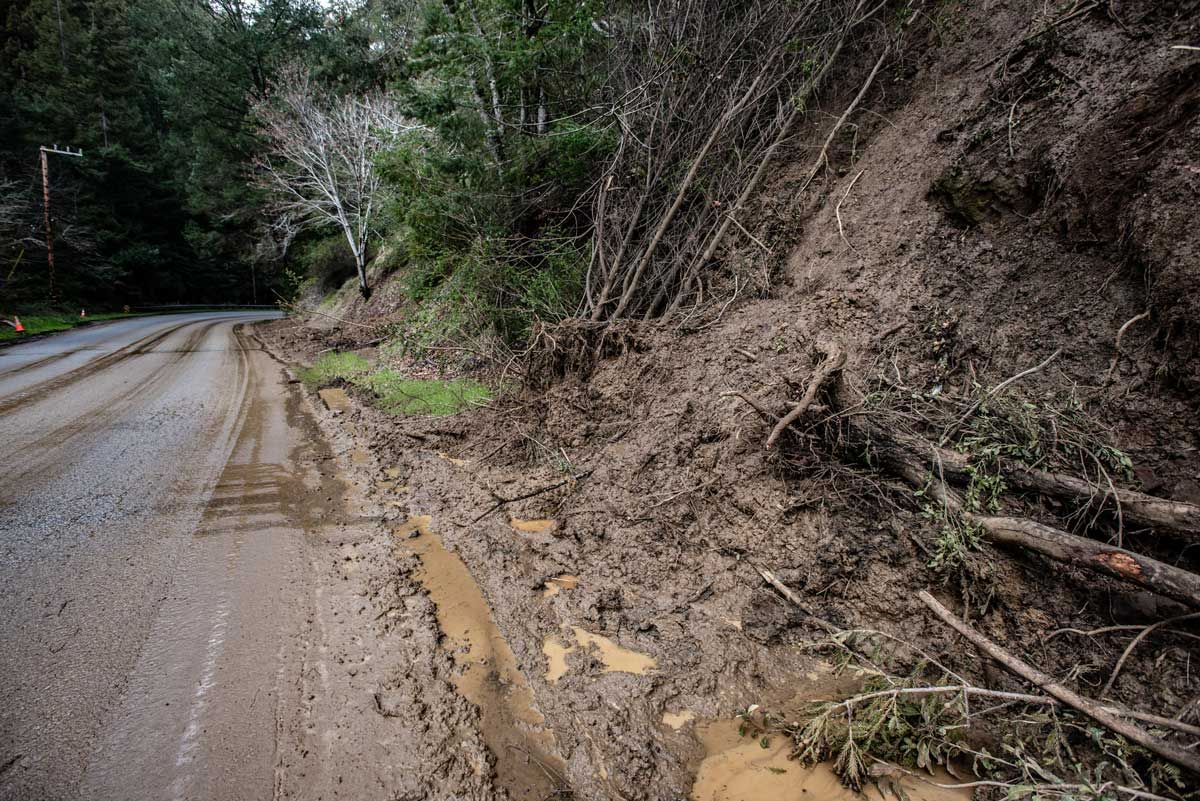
616,658
737,768
488,675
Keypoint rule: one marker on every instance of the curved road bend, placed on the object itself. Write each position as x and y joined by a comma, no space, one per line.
150,561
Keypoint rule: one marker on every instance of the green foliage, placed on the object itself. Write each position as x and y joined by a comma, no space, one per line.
400,395
333,367
925,716
49,323
1054,434
393,391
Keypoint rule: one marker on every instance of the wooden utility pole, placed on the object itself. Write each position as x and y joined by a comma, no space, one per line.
46,204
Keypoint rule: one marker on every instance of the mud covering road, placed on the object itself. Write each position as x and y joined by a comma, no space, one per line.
173,540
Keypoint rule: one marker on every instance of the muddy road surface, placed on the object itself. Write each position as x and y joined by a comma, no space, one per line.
166,508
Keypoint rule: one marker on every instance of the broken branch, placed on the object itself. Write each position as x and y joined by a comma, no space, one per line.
1066,696
835,358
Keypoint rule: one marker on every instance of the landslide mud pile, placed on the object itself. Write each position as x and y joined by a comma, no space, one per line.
994,282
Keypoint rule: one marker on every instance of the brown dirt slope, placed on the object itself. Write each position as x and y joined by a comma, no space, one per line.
1021,183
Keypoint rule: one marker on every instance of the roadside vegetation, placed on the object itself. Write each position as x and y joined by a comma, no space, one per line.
578,198
50,323
393,391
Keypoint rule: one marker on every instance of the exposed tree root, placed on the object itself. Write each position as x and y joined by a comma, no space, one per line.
835,357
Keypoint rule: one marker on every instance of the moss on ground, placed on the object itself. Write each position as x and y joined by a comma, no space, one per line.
394,392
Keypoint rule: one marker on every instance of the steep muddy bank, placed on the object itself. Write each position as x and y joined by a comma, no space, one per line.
1005,211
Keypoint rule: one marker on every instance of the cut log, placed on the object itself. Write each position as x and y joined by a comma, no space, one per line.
1047,684
1150,574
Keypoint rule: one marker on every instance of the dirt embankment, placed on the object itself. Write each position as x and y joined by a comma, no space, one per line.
1022,184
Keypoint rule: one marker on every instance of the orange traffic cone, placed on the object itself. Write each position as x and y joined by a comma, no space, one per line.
20,328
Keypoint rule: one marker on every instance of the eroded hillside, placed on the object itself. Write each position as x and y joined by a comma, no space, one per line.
951,350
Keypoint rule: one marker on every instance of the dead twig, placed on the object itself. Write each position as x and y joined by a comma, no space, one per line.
753,404
837,210
502,502
783,589
1116,671
823,156
952,430
835,359
1112,367
1066,696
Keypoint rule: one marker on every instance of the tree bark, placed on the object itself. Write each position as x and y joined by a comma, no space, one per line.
1135,568
1135,507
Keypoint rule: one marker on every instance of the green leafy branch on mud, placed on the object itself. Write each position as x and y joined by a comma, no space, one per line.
927,720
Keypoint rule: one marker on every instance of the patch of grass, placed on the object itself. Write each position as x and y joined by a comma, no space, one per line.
394,392
50,323
332,367
398,394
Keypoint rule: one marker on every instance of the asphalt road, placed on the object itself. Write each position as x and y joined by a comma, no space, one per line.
151,547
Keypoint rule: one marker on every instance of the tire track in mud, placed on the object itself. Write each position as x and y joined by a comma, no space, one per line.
43,362
30,461
527,764
44,388
449,713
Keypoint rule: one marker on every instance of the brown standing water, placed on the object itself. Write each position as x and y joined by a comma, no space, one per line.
526,762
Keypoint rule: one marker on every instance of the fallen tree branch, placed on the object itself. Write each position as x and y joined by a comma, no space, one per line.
1066,696
1150,574
834,359
952,430
502,502
1135,507
1020,698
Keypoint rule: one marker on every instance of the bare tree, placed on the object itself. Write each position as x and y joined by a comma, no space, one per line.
320,158
14,205
705,94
